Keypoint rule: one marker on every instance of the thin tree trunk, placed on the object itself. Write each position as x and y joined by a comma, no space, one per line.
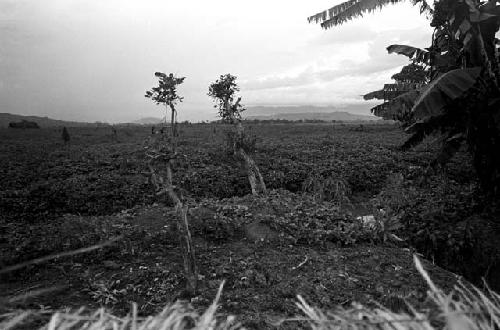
238,139
173,129
187,247
188,252
166,115
254,177
165,185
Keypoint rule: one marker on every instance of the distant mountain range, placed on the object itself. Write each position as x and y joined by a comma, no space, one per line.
293,113
6,118
303,113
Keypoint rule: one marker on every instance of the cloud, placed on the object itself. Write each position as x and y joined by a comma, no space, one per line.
347,65
346,34
8,7
347,90
76,59
340,81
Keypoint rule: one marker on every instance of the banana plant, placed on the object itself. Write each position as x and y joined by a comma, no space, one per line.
462,101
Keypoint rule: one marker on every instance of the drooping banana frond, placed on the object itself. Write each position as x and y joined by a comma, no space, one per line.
399,100
405,102
441,91
413,53
379,95
399,108
422,128
392,91
449,147
381,110
401,87
348,10
412,73
332,12
356,10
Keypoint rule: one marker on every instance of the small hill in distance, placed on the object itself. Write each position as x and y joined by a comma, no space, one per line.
148,121
6,118
296,113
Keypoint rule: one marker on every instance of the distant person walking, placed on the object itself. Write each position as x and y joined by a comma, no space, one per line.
65,135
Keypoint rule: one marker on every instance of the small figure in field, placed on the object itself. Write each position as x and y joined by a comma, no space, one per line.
153,130
162,130
114,135
65,135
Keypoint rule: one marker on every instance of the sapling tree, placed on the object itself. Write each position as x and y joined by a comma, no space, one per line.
166,94
161,153
223,91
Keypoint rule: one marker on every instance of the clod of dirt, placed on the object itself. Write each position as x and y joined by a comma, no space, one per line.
111,264
257,231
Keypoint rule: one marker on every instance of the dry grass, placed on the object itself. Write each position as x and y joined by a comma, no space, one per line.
467,308
464,309
173,317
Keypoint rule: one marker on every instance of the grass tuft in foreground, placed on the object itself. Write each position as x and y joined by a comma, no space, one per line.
466,308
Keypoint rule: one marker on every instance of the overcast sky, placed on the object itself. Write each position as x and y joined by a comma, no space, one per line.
94,59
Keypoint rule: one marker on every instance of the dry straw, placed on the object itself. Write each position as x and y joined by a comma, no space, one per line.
466,308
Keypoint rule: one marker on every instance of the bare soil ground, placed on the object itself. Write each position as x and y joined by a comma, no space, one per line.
264,269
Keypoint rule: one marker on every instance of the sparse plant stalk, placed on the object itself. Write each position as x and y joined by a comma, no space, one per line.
165,186
166,93
254,176
173,123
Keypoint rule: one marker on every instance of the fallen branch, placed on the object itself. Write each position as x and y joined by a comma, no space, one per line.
301,264
59,255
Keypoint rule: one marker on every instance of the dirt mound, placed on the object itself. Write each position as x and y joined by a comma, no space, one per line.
257,231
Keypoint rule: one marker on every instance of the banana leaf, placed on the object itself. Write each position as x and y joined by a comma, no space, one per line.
413,53
379,95
398,108
443,90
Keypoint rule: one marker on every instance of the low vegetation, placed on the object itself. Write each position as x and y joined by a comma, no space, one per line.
344,211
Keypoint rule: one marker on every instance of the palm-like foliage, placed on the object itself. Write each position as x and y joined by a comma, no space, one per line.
348,10
413,53
400,97
462,102
398,108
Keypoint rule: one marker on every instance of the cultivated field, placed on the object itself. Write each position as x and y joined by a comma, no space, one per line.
340,200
